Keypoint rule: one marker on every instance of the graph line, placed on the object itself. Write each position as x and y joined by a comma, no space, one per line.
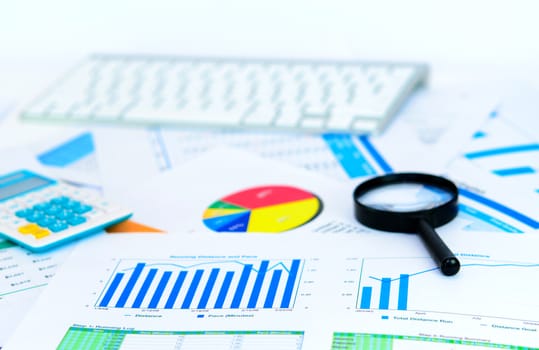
277,265
463,265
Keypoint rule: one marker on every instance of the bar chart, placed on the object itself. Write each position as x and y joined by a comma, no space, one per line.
223,284
415,284
506,150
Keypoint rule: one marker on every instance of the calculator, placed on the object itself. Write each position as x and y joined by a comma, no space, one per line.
40,213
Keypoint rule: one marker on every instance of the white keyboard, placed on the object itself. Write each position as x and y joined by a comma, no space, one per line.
278,94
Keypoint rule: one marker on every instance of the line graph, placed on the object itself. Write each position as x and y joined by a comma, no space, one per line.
414,284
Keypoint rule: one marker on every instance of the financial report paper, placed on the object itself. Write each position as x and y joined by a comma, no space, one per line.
289,292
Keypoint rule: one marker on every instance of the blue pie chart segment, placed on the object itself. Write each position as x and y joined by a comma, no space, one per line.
229,223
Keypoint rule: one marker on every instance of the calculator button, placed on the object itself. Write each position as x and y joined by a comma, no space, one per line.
76,220
58,226
41,206
29,228
65,214
41,233
60,200
46,221
83,208
35,216
23,213
72,204
53,210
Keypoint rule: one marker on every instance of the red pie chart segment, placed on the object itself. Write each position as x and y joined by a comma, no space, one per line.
265,196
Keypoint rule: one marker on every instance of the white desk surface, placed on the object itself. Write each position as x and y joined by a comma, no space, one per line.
464,41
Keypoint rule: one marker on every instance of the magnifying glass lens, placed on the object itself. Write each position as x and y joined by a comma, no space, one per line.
411,203
405,197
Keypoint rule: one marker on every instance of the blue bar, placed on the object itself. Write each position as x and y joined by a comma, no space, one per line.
130,284
159,291
403,292
258,284
274,284
384,294
69,152
175,290
366,295
207,290
192,289
224,290
501,208
241,286
386,168
144,289
514,171
348,155
289,288
112,288
479,134
503,150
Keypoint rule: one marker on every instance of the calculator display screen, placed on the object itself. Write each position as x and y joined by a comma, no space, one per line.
18,183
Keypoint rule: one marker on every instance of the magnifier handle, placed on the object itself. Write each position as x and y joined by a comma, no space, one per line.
447,261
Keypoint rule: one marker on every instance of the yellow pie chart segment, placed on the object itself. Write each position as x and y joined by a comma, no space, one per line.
283,217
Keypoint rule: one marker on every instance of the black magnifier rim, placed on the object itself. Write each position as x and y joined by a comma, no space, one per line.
408,221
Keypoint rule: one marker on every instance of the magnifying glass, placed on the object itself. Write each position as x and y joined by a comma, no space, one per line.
411,203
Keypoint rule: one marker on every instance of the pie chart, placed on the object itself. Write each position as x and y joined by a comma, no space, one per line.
263,209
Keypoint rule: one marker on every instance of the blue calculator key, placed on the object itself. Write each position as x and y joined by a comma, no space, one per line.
71,204
83,208
35,216
76,220
65,214
46,221
59,200
23,213
53,210
41,206
57,226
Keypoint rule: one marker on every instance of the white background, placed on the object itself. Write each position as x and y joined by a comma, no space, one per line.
463,40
